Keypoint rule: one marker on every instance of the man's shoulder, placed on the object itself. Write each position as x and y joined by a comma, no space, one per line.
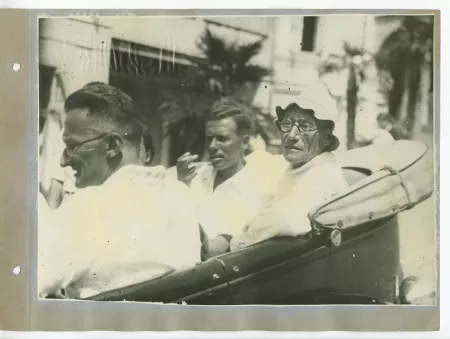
174,185
84,197
176,191
263,158
160,176
77,210
331,169
264,165
171,172
327,163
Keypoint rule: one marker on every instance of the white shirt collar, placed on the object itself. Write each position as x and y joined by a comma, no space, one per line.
321,159
133,171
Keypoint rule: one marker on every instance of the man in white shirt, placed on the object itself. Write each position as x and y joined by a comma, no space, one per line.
231,189
306,124
128,223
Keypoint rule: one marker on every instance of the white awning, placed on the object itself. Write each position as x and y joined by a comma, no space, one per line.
149,52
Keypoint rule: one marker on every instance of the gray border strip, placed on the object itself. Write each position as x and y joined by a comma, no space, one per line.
15,208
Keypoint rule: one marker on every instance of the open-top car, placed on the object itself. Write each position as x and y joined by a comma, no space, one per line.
351,255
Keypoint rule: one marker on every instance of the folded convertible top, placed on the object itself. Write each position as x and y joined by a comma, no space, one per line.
401,177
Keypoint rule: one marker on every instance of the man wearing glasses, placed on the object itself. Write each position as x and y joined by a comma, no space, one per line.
306,125
127,223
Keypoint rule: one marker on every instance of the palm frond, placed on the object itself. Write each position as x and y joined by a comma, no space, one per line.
246,52
352,50
213,48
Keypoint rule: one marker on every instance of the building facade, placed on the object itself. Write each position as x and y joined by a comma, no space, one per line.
146,55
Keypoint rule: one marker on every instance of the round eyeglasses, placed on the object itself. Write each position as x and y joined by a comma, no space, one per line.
70,151
303,125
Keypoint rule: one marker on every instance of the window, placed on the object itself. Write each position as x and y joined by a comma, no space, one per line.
309,33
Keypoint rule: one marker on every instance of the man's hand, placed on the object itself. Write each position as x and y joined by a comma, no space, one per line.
237,243
212,247
187,168
217,246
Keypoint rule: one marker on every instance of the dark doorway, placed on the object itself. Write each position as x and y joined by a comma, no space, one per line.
151,77
309,33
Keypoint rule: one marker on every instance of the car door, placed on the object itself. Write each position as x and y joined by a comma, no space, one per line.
305,269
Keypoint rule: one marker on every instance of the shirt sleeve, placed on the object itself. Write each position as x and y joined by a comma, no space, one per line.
184,221
59,251
289,216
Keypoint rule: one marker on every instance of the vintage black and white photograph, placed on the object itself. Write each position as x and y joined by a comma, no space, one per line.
237,160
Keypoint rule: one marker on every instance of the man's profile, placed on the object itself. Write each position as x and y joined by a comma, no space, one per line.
128,222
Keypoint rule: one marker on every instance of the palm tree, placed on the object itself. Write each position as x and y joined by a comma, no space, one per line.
225,69
354,60
402,54
228,66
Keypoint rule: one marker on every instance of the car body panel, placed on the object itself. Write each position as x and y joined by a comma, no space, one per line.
289,270
362,267
203,282
366,263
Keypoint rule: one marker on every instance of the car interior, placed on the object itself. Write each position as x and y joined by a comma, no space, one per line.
355,174
262,255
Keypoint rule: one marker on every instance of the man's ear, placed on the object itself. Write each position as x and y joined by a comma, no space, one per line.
148,157
277,123
114,145
245,145
246,141
328,138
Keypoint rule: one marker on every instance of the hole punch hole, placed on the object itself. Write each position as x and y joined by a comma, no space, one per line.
16,67
16,270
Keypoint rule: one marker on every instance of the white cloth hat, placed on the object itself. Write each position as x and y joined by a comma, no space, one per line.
315,97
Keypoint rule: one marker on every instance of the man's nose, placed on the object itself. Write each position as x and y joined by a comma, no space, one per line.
294,133
212,144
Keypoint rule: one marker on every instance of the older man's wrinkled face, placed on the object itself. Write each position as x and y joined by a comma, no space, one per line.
86,149
303,136
225,145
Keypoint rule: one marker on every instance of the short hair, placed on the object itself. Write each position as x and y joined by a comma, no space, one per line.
109,104
230,108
